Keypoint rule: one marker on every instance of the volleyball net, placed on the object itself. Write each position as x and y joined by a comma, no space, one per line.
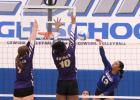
52,97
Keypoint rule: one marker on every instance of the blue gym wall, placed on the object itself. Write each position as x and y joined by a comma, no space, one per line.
45,82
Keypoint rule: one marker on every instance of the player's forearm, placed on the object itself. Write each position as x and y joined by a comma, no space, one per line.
103,56
30,44
73,28
56,36
73,34
32,37
34,31
102,52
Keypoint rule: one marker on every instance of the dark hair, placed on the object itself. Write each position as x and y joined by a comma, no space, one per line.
87,91
122,67
22,51
59,48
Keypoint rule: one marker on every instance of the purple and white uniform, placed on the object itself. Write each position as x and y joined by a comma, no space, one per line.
66,64
24,78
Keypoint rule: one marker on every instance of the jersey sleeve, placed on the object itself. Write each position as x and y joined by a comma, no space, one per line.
104,58
55,37
72,40
31,46
111,89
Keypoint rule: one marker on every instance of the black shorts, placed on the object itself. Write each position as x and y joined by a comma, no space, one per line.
67,87
23,92
98,92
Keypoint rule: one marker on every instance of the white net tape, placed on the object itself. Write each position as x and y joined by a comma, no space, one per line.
80,96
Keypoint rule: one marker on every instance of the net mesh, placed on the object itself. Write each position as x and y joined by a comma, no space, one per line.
87,54
88,62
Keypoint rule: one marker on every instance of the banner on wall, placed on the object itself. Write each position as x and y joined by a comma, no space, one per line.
117,22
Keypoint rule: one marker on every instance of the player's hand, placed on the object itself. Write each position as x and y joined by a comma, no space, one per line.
47,35
35,27
57,24
99,41
34,31
73,19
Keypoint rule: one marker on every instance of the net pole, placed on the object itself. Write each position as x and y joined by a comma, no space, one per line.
50,2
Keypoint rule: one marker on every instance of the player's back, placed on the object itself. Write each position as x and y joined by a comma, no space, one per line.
24,78
66,65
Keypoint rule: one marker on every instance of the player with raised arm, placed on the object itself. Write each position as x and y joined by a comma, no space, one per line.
64,59
23,86
111,76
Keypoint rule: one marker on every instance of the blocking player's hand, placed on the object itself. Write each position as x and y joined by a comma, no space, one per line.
34,31
35,27
99,41
47,35
57,24
73,19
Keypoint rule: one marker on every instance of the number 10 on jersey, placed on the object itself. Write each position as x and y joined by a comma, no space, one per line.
65,63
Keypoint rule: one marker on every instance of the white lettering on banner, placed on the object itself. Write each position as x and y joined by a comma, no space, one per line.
115,26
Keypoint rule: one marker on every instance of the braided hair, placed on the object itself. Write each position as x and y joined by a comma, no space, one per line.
22,51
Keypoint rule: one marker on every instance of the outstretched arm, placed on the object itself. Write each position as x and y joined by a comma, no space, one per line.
34,31
103,56
32,39
72,40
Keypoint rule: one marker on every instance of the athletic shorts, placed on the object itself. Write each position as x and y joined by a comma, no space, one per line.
98,92
67,87
23,92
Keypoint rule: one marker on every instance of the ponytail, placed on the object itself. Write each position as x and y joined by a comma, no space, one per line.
121,71
19,63
22,51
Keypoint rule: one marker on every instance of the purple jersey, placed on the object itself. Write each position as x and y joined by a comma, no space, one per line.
66,64
24,78
107,82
